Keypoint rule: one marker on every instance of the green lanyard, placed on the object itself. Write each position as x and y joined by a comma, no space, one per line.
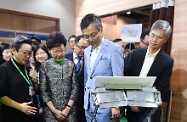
25,77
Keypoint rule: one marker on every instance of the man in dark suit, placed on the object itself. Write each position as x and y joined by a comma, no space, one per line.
151,61
77,58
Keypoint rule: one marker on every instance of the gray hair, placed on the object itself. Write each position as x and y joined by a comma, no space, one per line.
19,40
162,25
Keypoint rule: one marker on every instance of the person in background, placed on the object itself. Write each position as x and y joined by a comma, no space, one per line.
16,87
144,39
5,55
39,55
151,61
58,82
99,60
71,42
35,41
5,52
120,42
77,57
128,48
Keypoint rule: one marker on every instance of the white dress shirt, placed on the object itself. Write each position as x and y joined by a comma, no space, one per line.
94,54
148,61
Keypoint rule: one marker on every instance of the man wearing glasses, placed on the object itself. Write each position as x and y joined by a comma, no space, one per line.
71,41
151,61
144,39
77,57
101,58
16,87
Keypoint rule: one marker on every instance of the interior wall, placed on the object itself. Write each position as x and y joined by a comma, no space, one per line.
63,9
178,50
105,7
113,31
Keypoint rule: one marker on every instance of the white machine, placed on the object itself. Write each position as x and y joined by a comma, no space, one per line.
116,91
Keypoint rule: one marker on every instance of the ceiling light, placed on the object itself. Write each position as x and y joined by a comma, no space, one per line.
128,12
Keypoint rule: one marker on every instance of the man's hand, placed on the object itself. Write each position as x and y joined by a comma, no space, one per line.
164,105
27,109
115,112
135,109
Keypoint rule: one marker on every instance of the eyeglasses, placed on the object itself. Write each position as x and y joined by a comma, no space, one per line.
81,47
40,53
152,36
55,52
7,52
26,53
92,35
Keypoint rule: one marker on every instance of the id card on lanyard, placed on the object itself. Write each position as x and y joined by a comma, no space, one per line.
27,79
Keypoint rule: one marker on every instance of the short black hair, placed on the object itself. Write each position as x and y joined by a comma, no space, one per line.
77,39
19,40
4,46
144,33
130,46
91,18
55,39
117,40
72,36
37,39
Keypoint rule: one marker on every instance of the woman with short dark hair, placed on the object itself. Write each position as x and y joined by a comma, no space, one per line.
58,82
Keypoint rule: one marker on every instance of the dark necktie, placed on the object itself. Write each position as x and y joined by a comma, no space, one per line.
78,65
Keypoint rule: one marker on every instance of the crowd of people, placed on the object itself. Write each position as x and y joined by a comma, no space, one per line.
43,83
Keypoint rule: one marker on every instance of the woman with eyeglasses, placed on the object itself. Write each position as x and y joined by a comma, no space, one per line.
58,82
39,55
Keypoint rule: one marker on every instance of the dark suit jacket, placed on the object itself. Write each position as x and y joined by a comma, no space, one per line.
161,68
80,78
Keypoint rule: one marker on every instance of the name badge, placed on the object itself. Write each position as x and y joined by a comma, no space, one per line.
31,91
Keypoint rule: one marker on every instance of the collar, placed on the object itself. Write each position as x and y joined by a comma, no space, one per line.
74,55
99,46
149,54
58,62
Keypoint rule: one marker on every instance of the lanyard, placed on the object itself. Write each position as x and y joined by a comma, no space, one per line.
25,77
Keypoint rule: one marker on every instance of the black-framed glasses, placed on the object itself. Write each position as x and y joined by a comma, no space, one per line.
92,35
55,52
81,47
152,36
26,53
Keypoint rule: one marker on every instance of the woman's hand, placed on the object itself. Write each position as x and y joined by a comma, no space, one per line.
135,109
40,111
34,75
65,111
58,115
27,109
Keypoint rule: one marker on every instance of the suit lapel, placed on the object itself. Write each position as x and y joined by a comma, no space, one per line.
101,52
71,57
155,64
88,59
140,61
